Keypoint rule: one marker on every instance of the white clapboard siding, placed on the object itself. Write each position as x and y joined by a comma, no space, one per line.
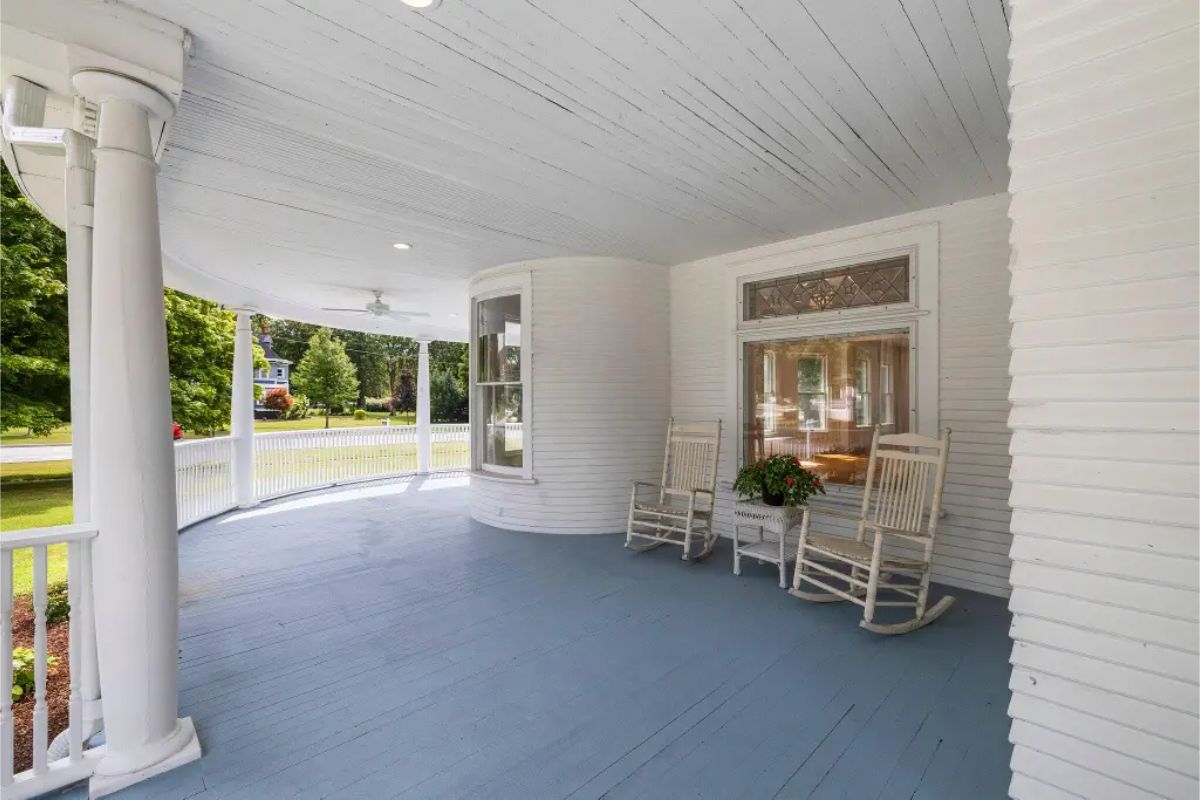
974,538
1104,393
600,389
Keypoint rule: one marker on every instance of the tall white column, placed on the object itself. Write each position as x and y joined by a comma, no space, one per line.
424,437
241,424
80,175
133,467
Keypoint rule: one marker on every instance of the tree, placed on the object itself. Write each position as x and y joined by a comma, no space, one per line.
326,374
34,373
405,398
200,338
447,402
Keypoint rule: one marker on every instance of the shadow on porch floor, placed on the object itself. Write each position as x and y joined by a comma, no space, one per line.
374,642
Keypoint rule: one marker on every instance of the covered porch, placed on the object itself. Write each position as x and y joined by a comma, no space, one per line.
382,643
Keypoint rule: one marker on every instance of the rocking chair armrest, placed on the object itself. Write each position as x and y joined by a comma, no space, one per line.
902,533
686,492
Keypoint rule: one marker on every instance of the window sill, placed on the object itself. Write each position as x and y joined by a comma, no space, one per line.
499,478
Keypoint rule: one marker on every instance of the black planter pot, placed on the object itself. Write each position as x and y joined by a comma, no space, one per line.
772,499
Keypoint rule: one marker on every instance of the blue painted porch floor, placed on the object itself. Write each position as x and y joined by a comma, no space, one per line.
374,642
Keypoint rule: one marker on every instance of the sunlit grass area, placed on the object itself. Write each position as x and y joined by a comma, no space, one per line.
36,495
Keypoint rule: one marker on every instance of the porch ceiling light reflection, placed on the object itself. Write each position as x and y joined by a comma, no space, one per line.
424,4
402,246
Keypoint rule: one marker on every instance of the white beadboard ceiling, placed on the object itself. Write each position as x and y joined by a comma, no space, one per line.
313,135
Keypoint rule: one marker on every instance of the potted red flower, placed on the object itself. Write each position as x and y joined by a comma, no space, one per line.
780,480
176,431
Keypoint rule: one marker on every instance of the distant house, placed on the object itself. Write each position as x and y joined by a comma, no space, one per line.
278,370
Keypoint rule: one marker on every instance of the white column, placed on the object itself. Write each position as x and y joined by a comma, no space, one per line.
241,424
424,437
135,562
80,174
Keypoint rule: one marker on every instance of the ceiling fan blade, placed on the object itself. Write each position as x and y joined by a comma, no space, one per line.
408,314
347,310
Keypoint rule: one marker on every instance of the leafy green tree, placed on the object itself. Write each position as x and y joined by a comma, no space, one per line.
326,374
447,402
34,373
200,354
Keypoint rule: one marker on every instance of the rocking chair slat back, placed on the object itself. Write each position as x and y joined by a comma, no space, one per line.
691,456
898,481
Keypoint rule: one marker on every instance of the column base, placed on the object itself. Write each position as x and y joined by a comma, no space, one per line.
114,773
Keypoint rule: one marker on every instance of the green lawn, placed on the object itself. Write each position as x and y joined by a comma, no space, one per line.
62,435
35,504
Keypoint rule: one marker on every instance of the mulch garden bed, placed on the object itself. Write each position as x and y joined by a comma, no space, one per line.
58,682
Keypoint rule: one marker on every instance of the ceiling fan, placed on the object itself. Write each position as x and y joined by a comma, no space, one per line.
378,308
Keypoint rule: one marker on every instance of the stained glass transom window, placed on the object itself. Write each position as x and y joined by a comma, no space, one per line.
872,284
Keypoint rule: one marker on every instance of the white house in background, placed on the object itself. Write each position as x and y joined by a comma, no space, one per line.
278,372
803,219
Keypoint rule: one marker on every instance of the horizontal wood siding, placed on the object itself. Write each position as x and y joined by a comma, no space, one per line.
600,390
1104,392
972,551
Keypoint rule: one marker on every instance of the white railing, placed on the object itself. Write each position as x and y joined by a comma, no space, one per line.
33,548
203,478
450,447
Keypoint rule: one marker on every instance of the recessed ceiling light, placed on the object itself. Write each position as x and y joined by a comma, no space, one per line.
420,3
402,246
452,316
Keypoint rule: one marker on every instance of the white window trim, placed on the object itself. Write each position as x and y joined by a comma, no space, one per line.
919,316
519,283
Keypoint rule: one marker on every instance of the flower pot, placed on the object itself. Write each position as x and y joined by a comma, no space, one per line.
772,499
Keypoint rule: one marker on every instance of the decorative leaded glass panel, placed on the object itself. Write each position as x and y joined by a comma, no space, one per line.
873,284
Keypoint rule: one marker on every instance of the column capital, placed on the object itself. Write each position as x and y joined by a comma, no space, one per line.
101,87
424,341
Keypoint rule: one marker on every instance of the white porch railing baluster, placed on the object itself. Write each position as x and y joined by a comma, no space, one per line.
41,652
6,668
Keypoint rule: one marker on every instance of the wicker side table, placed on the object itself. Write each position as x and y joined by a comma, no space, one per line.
773,520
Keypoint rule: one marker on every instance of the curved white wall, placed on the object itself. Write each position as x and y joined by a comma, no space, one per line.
600,391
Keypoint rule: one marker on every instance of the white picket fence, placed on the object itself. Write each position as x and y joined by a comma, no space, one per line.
33,546
203,478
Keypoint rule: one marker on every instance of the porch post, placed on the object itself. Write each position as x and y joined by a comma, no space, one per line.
80,175
241,424
132,457
424,438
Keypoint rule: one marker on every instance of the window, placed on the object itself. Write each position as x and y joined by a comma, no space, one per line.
811,391
769,392
862,393
499,386
887,399
874,283
279,372
826,418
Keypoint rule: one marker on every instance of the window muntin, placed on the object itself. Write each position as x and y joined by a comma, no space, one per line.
872,283
498,383
887,398
821,421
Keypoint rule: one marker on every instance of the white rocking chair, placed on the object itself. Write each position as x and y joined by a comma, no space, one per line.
680,509
894,507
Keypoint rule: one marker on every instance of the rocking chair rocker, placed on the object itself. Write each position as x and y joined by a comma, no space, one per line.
894,508
680,509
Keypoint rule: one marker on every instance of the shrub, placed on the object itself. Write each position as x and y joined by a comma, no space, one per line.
278,399
377,404
22,662
299,409
360,413
58,603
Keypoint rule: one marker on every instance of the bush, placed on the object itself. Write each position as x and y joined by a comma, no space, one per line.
278,399
378,404
299,409
23,660
58,603
360,413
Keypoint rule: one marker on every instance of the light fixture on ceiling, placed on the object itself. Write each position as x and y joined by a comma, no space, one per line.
402,246
452,315
422,4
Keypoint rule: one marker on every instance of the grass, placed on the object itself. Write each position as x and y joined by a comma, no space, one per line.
33,471
36,504
62,434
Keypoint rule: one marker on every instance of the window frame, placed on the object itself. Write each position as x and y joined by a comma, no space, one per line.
862,397
919,316
769,359
520,284
824,391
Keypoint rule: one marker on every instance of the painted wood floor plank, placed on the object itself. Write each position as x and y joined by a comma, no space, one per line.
378,644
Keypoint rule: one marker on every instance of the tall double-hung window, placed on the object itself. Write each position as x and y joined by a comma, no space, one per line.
500,383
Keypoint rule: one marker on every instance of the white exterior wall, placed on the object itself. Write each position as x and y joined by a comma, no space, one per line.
1104,418
973,539
600,391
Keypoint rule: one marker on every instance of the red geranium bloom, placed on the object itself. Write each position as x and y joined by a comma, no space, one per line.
176,431
790,480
